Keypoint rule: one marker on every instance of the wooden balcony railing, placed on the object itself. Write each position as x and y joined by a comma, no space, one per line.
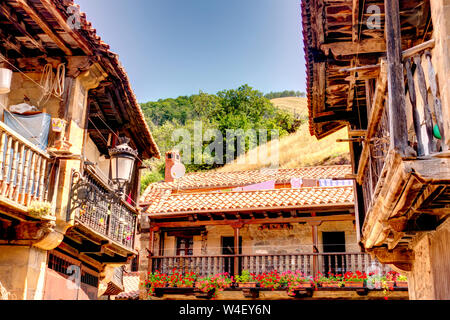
309,264
25,170
376,144
97,207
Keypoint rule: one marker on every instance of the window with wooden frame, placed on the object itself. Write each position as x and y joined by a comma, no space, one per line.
185,246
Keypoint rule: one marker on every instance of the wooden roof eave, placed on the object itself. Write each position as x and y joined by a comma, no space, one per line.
319,207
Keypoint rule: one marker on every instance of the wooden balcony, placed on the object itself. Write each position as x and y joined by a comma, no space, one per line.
405,189
309,264
96,208
26,173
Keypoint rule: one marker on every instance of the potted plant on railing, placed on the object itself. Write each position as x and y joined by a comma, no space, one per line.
354,280
155,280
207,288
41,210
401,281
223,280
297,281
247,280
332,281
271,280
389,280
186,281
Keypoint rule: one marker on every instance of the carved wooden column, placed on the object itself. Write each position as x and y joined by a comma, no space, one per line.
396,86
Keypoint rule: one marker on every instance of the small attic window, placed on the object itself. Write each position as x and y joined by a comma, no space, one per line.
169,156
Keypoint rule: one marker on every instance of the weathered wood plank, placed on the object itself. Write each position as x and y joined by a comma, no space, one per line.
397,102
426,107
415,112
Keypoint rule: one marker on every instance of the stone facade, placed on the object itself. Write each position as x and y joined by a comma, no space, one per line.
429,278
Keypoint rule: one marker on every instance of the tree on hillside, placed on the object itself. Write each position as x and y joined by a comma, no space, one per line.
243,108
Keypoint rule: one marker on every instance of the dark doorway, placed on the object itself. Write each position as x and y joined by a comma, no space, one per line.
333,242
228,250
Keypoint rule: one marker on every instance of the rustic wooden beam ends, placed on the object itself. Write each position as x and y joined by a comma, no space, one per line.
401,257
44,26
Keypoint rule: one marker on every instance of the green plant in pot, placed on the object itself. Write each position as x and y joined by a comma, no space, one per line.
40,209
401,281
247,280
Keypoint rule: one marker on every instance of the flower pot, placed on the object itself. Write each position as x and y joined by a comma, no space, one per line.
330,284
5,80
251,293
390,284
247,285
354,284
304,285
205,295
401,284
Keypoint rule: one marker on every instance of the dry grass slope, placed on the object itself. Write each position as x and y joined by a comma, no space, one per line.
299,149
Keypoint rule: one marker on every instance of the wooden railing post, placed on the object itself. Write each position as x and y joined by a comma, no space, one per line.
396,86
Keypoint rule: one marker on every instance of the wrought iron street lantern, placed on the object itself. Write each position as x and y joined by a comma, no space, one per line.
123,158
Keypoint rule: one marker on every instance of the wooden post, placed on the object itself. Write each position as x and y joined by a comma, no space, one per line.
237,228
151,246
315,239
396,86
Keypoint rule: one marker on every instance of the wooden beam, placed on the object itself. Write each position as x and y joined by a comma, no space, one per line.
19,25
396,85
374,118
352,48
44,26
334,116
11,42
357,133
117,114
392,244
62,21
411,52
121,106
344,217
399,255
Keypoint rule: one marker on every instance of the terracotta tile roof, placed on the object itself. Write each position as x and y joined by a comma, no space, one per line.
131,287
212,179
167,203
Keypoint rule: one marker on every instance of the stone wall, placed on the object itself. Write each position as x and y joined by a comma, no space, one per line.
22,271
429,278
22,86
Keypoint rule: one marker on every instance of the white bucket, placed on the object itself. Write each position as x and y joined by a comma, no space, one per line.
5,80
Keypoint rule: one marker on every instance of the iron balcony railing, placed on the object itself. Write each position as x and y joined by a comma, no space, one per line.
99,208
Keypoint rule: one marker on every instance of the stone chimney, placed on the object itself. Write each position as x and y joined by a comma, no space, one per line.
172,158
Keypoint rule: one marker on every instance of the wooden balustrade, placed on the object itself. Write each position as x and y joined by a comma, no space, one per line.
25,170
326,262
419,71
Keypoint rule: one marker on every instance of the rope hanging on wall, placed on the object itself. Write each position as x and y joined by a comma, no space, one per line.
52,84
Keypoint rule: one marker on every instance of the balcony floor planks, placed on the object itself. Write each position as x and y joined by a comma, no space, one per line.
114,246
408,178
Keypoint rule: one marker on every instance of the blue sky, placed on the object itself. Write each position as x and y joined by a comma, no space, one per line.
178,47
